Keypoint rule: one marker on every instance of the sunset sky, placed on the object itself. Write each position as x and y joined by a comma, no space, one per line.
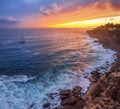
58,13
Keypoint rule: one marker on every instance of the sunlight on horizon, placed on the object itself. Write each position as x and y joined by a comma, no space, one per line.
88,23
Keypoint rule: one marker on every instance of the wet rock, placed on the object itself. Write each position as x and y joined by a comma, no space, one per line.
76,90
95,76
77,105
98,107
53,95
69,101
105,94
107,101
31,106
46,105
117,107
59,107
116,94
63,97
65,92
96,41
77,96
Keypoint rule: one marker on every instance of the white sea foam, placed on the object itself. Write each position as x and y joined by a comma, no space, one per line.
15,78
6,42
20,91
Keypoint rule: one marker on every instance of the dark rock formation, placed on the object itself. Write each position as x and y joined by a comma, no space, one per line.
65,92
76,90
95,76
71,99
46,105
31,106
104,94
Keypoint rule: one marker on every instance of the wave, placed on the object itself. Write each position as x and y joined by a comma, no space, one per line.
21,91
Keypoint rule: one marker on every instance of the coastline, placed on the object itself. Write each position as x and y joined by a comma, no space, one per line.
100,91
108,40
105,93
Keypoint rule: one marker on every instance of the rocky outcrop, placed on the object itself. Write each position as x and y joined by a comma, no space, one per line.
76,90
71,99
46,105
104,94
65,92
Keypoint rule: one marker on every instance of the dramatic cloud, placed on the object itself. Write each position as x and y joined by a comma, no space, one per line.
42,13
102,4
115,4
8,21
53,9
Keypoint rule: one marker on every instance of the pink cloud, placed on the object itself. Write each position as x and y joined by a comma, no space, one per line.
53,9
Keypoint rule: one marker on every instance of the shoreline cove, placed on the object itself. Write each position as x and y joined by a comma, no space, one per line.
42,90
82,96
104,92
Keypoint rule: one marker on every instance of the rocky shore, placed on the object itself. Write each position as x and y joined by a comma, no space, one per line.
109,36
104,92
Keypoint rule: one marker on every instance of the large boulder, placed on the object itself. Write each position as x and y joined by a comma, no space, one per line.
65,92
69,101
46,105
76,90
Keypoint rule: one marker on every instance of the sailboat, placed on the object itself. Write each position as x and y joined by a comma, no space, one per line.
22,40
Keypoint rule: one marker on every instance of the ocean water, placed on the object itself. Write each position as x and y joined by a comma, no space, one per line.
32,73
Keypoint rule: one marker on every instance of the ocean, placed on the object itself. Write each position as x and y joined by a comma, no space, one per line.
48,61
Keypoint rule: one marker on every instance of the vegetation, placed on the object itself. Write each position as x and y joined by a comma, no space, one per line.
109,31
110,26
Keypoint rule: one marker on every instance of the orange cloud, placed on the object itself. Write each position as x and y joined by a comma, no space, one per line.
88,23
92,11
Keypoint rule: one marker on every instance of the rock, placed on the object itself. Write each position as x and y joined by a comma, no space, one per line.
63,97
65,92
105,94
46,105
76,90
96,76
31,106
115,74
77,105
96,100
107,101
69,101
53,95
96,41
76,96
93,92
98,106
59,107
116,94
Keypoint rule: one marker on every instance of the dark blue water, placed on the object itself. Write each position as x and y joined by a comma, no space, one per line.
43,50
51,59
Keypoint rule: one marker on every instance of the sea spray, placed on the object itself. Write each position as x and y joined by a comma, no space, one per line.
67,60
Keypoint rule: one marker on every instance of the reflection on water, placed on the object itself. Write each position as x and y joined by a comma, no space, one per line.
50,60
